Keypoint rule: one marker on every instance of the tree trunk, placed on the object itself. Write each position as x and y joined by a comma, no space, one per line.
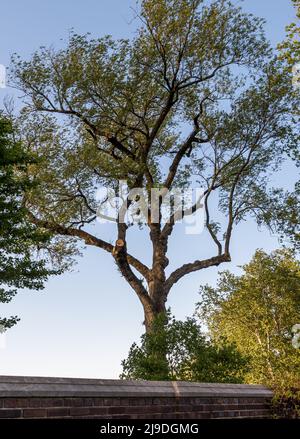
152,312
157,282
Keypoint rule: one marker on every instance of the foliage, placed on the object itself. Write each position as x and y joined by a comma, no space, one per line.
286,403
257,310
18,237
177,350
291,46
196,97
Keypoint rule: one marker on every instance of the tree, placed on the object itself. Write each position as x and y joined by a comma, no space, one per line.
257,311
101,111
291,46
18,237
190,356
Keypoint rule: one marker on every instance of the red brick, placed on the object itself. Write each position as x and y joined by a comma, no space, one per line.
10,413
34,413
99,411
121,417
164,401
119,401
58,412
138,401
16,402
108,402
52,402
98,402
88,402
73,402
231,413
202,415
79,411
35,402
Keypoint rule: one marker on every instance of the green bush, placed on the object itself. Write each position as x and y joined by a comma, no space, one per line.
178,350
286,403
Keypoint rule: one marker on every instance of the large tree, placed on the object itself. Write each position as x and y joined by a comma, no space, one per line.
259,311
100,111
19,239
291,46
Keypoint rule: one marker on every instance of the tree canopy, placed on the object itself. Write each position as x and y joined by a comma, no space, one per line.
18,237
188,355
258,311
196,97
291,46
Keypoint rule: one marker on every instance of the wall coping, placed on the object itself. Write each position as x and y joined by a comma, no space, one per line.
27,386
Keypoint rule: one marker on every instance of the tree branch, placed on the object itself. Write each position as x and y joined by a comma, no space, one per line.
195,266
89,239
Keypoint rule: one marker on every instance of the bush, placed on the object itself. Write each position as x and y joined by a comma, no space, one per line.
178,350
286,403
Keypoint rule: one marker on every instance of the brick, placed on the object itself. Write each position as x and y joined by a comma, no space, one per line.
188,408
88,402
215,407
233,407
203,415
98,402
35,402
52,402
232,401
10,413
245,413
119,401
138,401
78,402
16,403
218,414
201,401
115,410
108,402
143,407
164,401
73,402
99,411
231,414
121,417
34,413
58,412
79,411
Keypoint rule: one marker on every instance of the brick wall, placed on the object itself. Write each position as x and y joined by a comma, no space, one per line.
33,397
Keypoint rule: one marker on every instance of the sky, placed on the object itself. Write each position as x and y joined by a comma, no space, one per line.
83,323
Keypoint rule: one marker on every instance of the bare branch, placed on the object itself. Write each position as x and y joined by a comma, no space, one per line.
195,266
89,240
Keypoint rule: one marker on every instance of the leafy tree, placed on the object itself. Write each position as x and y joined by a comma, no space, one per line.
290,52
18,237
291,46
189,356
100,111
257,311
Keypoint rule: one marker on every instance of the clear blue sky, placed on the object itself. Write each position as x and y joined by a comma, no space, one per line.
83,323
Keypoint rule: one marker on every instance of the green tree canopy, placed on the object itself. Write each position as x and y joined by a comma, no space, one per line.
195,98
18,237
188,355
291,46
257,311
